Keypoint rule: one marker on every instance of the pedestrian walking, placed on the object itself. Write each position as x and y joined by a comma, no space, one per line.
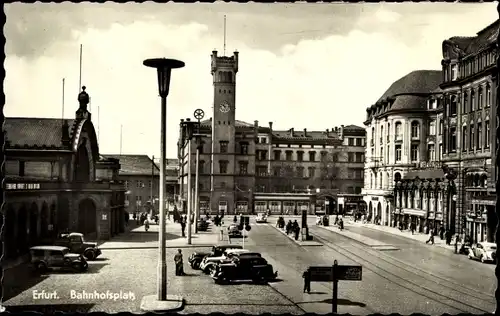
307,281
179,267
431,238
146,224
412,228
183,227
457,241
341,224
288,227
297,232
441,232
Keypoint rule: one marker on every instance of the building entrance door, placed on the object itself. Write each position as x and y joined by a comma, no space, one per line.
223,207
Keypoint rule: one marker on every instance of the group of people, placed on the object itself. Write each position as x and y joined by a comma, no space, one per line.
324,220
290,227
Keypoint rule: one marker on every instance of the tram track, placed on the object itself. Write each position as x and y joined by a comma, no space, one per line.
414,279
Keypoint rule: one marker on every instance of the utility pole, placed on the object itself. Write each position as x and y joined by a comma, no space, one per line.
152,184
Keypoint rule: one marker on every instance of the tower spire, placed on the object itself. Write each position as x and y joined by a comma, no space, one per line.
224,35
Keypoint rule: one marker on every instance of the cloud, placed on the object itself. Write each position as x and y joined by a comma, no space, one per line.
315,83
387,16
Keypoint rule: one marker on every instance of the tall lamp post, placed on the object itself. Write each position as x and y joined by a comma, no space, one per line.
198,114
164,69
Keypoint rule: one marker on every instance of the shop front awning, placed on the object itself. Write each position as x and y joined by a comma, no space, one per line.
415,212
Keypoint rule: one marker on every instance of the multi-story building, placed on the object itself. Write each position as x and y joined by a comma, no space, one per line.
246,168
55,181
397,131
456,130
140,176
468,93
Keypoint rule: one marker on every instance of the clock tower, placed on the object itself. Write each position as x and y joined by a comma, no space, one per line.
224,71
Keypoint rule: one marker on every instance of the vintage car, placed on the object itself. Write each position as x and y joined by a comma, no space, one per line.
196,258
77,244
484,251
207,263
234,231
44,258
210,265
244,268
261,218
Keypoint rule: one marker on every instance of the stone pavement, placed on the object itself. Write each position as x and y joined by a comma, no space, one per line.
370,242
406,234
138,238
300,242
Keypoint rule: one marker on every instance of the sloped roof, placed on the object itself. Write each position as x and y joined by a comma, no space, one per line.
407,102
416,82
353,127
474,44
135,164
311,135
35,132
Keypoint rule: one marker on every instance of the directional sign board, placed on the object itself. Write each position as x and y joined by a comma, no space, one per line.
321,274
348,273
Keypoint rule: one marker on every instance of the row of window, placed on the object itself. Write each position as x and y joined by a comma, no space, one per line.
289,188
139,184
471,101
472,135
325,156
415,132
469,66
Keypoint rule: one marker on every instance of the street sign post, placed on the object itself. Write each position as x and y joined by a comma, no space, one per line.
335,274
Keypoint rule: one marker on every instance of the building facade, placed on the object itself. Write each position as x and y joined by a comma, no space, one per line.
397,133
468,97
56,181
451,183
247,168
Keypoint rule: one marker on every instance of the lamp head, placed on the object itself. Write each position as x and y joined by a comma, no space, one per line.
164,68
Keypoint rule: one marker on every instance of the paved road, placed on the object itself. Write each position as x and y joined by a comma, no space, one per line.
416,278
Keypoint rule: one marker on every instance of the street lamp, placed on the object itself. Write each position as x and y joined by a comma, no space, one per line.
164,69
198,114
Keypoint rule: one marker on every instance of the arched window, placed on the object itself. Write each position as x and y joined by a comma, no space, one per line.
398,131
397,177
415,129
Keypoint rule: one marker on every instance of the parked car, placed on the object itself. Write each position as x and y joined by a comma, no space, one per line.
208,263
261,218
484,251
44,258
234,231
197,257
252,268
77,244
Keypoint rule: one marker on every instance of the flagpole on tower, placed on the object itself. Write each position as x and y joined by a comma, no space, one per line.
224,35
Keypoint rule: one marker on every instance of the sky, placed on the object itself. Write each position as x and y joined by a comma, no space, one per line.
313,66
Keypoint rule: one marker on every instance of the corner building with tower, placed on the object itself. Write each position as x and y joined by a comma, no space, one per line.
246,168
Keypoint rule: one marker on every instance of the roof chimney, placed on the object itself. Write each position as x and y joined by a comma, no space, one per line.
327,132
256,123
305,132
291,132
271,125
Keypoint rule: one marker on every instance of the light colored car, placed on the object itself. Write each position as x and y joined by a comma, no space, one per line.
44,258
261,218
484,251
208,262
234,231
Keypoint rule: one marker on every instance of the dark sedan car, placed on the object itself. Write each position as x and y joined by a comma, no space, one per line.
251,268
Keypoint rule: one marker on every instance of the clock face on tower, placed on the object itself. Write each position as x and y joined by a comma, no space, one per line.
224,107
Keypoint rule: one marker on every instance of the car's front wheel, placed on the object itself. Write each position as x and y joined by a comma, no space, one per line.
195,264
90,254
41,267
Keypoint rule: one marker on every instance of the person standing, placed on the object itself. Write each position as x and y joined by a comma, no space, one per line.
431,238
296,231
179,268
412,227
307,281
183,226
